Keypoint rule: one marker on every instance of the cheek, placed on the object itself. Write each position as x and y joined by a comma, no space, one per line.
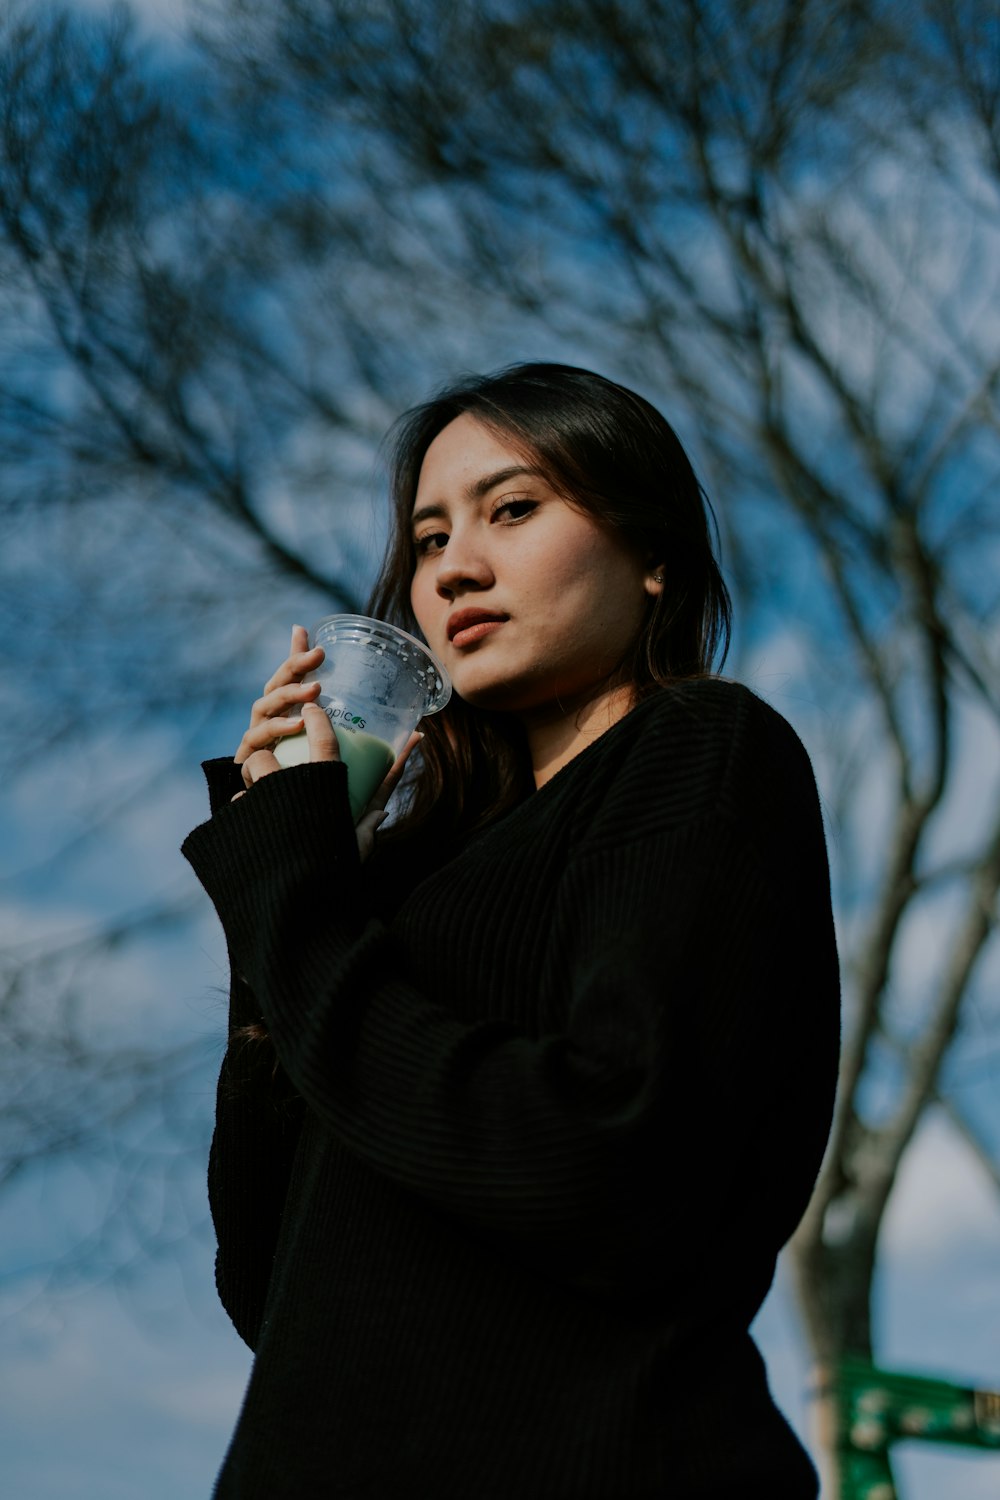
423,597
573,571
608,602
602,582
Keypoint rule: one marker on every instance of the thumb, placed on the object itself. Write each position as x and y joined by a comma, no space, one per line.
320,733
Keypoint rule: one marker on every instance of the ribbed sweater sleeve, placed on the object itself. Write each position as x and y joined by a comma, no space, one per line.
257,1126
567,1145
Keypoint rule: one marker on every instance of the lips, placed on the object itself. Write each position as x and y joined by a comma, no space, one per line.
468,625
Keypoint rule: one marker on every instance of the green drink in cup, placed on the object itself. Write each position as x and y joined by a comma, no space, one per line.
376,683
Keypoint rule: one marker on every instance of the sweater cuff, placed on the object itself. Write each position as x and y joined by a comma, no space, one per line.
225,779
289,829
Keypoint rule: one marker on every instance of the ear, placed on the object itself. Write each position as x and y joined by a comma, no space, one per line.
653,583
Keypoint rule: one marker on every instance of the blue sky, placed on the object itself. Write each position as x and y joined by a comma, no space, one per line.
130,1387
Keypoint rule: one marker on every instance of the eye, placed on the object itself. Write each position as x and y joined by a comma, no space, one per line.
509,512
430,542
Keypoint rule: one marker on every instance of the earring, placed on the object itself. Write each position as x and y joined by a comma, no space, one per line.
657,577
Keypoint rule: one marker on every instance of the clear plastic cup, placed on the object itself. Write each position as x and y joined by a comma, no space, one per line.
376,683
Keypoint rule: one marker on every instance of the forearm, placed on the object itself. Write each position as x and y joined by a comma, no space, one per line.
571,1147
257,1126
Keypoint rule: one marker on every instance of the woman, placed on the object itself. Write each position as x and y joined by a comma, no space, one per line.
545,1083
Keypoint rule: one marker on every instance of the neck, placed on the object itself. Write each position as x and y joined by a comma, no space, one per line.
556,735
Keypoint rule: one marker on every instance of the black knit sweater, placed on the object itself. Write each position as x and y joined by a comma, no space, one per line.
547,1108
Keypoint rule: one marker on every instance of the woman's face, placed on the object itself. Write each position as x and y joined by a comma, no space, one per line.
528,601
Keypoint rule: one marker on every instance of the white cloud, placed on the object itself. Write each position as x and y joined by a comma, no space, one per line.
937,1307
942,1204
98,1409
169,16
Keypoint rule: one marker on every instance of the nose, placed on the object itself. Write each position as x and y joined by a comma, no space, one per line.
464,567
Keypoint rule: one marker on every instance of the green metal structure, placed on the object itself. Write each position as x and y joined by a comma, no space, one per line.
877,1408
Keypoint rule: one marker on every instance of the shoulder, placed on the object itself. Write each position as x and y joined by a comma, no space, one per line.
726,740
696,749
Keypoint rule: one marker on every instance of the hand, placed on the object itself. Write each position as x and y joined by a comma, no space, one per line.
270,717
323,745
374,814
319,732
255,753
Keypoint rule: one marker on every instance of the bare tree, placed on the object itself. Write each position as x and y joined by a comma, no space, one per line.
780,220
203,336
147,400
783,219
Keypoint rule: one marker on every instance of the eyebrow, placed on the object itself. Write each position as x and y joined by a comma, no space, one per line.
476,490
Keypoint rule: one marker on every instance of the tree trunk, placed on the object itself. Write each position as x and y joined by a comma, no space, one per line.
833,1281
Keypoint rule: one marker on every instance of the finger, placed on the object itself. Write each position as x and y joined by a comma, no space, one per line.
266,735
295,667
280,699
258,765
395,771
371,822
320,734
299,647
365,832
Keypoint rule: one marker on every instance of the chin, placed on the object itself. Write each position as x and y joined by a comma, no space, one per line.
497,695
494,699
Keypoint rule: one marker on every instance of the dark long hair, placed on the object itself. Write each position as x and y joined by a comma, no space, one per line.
611,453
